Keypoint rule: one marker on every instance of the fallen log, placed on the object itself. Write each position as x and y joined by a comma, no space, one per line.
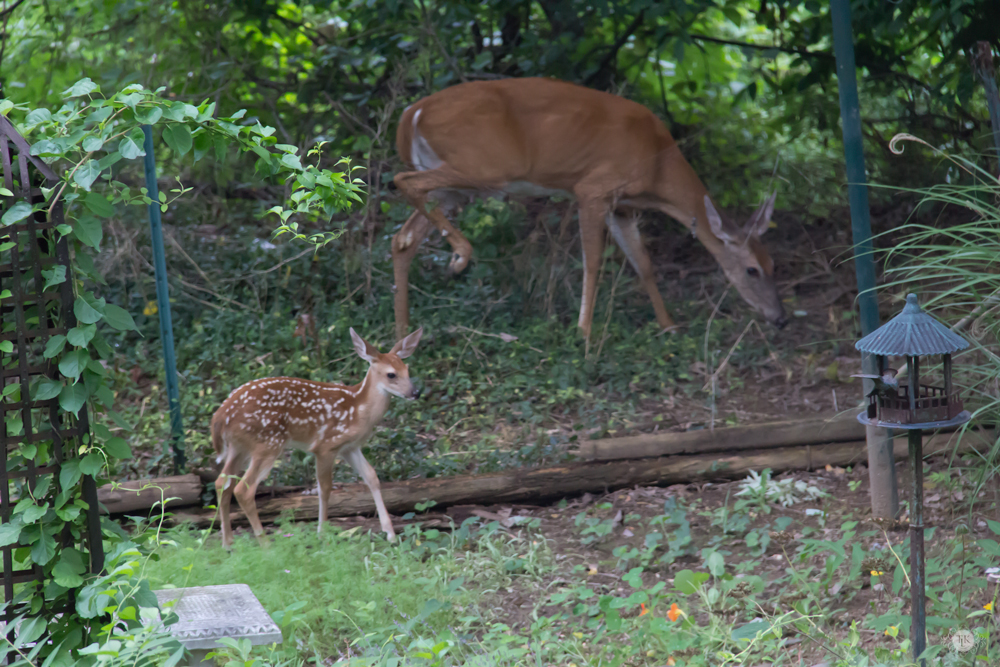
538,484
842,428
141,495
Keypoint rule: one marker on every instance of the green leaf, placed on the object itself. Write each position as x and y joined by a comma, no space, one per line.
82,87
16,213
73,363
716,564
5,106
688,582
291,161
69,474
91,464
67,572
32,512
129,149
44,549
118,318
88,230
110,159
54,346
148,116
6,346
54,276
10,532
37,116
85,312
118,448
86,174
93,143
750,630
80,336
99,205
46,147
178,138
46,389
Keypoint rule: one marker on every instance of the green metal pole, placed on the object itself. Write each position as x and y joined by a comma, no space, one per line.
881,462
163,305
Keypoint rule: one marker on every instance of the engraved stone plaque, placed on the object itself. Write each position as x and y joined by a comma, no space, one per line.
208,613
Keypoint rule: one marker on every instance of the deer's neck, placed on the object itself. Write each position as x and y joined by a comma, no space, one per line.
371,402
683,194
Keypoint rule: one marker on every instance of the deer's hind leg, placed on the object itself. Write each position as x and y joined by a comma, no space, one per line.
224,485
246,489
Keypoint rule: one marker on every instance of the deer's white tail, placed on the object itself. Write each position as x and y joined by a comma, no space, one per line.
218,442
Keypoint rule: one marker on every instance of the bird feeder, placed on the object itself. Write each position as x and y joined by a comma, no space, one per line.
913,405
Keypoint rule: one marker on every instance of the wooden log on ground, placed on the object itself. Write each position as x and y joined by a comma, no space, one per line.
539,484
141,495
843,428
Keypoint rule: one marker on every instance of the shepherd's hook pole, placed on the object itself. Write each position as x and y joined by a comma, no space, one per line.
163,305
881,463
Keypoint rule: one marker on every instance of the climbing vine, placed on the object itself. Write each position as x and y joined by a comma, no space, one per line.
90,141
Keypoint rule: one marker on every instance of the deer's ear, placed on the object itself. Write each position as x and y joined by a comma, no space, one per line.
761,219
363,348
405,347
716,224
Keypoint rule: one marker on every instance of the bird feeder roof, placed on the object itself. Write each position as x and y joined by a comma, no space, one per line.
912,333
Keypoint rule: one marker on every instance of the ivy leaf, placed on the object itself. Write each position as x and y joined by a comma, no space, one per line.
16,213
91,464
118,448
54,276
37,116
93,143
202,144
85,312
88,230
32,512
69,474
44,549
46,147
72,397
47,389
54,346
73,363
148,116
86,174
99,205
81,336
6,346
118,318
178,138
82,87
10,532
69,568
129,149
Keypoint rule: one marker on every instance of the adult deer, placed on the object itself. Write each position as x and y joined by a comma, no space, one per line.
262,417
541,137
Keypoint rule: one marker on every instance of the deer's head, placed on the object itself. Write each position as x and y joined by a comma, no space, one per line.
387,370
745,260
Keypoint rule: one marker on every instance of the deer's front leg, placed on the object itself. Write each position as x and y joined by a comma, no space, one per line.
367,473
324,477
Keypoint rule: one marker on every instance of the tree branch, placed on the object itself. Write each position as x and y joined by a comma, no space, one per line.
616,47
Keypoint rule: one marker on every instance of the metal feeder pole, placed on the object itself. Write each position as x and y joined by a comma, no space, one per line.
918,620
163,305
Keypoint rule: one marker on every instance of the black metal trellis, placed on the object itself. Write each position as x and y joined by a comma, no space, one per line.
33,452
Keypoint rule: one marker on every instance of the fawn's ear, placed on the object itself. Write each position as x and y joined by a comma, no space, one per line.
405,347
363,348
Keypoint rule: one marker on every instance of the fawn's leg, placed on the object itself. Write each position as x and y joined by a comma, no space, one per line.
224,485
324,476
367,473
246,490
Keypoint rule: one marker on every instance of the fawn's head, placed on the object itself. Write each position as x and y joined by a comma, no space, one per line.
387,370
746,262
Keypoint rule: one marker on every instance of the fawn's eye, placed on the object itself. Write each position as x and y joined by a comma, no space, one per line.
392,376
752,272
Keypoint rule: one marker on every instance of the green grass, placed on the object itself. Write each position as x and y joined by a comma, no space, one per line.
348,589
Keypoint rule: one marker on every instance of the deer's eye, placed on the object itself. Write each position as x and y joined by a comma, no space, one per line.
392,376
752,272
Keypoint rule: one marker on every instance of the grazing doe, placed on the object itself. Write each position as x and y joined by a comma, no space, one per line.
263,417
